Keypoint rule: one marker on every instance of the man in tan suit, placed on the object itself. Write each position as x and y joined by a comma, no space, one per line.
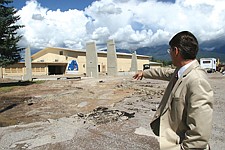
183,120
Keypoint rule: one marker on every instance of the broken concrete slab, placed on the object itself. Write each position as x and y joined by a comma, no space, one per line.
101,115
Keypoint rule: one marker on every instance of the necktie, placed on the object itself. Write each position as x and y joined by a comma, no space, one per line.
175,80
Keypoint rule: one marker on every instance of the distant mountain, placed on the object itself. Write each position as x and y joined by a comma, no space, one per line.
157,52
122,51
212,48
160,52
217,46
212,54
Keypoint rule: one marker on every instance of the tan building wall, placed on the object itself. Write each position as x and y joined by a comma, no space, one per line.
19,69
54,61
16,69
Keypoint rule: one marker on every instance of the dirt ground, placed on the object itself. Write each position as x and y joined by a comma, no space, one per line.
61,114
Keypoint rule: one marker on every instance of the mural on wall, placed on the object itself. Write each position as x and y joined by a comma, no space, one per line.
72,67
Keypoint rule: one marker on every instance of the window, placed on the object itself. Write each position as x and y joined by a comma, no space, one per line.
60,52
7,70
206,62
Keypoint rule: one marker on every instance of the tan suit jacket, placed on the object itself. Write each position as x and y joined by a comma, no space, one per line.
184,117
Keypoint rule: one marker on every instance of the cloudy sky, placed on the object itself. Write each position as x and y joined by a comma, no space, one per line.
131,23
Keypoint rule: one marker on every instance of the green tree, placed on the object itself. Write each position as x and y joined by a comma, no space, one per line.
9,50
164,62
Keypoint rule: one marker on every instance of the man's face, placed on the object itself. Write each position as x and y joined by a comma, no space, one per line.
172,52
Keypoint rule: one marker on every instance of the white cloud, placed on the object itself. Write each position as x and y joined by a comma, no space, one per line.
101,34
109,9
131,23
37,17
44,27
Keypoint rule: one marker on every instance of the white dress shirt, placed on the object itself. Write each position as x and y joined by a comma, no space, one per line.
183,68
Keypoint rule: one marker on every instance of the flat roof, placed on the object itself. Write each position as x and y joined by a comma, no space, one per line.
84,51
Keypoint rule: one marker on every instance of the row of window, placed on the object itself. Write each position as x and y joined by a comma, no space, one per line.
20,70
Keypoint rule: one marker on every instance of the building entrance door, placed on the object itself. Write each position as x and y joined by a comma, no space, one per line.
56,70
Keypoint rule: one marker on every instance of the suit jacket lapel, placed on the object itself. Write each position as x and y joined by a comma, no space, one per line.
167,95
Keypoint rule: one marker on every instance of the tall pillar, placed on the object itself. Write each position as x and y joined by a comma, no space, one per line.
134,67
1,72
28,75
91,60
111,58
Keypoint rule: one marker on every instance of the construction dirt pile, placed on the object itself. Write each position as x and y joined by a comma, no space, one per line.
104,113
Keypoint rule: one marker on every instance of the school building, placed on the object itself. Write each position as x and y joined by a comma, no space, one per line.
55,61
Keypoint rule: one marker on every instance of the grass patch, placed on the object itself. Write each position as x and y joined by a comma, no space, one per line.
38,82
6,89
6,121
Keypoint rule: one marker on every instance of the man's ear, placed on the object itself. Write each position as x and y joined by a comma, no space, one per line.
176,51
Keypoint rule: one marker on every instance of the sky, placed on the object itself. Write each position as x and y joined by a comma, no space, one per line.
131,23
63,5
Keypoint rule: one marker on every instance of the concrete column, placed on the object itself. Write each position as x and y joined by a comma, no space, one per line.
111,58
28,75
91,60
1,72
134,67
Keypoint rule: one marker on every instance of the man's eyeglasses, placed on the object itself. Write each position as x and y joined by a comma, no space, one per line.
169,50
